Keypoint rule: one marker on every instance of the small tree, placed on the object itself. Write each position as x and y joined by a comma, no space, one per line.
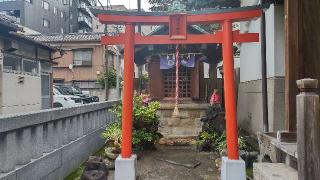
109,76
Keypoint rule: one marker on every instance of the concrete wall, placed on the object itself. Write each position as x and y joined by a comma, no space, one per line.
250,91
50,144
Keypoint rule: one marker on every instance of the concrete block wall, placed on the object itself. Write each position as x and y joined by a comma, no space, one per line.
50,144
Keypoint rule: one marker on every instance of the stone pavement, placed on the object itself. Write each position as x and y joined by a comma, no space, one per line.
176,163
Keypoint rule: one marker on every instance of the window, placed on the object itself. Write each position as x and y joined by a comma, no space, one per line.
55,10
12,63
30,66
65,2
29,1
45,5
43,54
46,23
70,2
71,28
71,15
62,14
62,30
82,57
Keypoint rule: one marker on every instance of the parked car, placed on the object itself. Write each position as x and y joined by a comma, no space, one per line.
64,100
76,91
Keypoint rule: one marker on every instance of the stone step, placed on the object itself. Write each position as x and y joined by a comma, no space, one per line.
274,171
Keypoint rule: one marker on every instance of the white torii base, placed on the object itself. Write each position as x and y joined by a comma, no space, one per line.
126,168
233,169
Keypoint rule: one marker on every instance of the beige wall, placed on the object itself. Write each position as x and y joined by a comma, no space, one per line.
79,73
249,110
20,97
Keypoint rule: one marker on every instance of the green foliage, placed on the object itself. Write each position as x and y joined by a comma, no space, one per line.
217,141
113,133
110,76
145,124
162,5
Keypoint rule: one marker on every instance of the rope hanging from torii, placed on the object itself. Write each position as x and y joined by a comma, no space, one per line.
176,109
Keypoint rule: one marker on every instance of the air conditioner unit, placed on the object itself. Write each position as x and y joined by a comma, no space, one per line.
11,46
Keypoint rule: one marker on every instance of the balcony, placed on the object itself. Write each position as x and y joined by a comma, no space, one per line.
90,2
85,9
85,21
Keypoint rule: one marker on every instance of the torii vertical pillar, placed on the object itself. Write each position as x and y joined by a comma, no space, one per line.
125,165
232,167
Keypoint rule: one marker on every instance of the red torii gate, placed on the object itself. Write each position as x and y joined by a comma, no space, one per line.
177,23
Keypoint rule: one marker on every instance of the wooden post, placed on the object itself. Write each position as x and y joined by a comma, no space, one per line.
308,129
293,62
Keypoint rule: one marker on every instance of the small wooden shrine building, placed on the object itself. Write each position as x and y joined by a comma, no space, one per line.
160,60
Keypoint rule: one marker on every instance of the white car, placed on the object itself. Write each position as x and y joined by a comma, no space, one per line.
61,100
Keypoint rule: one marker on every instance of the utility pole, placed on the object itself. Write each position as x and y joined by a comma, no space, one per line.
140,66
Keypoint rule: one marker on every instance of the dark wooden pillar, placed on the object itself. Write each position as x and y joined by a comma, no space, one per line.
302,26
293,63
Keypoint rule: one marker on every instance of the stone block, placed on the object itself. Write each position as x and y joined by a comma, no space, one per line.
274,171
126,168
233,169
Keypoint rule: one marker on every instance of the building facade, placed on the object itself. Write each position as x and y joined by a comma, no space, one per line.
51,16
26,71
84,60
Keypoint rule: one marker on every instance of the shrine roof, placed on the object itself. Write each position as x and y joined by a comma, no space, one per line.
167,13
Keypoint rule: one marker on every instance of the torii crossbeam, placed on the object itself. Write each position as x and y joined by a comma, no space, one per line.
178,22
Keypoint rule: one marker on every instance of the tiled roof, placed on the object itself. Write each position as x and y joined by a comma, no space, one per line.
28,39
9,22
73,37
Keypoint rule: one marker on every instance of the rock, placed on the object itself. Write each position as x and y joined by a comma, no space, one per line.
94,175
110,153
210,170
163,141
223,153
110,164
95,169
218,162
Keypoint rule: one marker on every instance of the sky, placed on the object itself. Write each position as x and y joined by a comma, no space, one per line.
132,4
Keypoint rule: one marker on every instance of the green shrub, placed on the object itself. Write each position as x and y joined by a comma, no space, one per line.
214,141
112,134
145,124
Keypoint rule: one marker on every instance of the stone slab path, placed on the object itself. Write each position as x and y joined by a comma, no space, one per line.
176,163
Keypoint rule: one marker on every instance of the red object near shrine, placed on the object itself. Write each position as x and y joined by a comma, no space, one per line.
178,35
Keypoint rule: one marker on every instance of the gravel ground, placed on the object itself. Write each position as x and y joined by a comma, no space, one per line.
153,165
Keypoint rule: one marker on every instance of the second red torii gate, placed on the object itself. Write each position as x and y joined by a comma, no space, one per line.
178,22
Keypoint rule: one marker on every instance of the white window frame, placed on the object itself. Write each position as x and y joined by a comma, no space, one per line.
45,5
45,23
55,10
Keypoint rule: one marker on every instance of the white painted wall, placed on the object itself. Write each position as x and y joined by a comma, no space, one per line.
251,52
20,97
